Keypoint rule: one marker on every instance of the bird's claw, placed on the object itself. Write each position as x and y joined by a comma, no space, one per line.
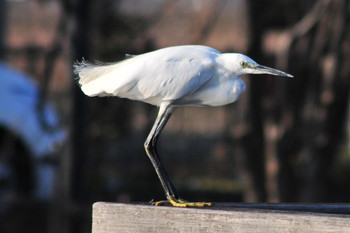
179,202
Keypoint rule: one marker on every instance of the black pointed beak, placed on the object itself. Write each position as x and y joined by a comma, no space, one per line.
259,69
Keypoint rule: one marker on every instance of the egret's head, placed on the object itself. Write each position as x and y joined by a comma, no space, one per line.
246,65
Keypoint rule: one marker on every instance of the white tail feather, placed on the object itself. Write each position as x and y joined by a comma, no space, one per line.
102,78
88,72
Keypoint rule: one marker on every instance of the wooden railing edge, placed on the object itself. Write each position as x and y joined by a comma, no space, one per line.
118,217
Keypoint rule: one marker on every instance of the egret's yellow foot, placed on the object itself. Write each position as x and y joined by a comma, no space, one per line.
183,203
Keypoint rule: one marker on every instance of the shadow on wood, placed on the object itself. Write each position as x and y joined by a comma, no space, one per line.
115,217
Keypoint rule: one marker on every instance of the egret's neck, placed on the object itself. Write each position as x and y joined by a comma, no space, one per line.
228,62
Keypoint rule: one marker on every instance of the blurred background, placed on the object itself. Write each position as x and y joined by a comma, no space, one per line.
285,140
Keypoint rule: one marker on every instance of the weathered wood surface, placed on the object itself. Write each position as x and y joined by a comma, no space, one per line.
125,218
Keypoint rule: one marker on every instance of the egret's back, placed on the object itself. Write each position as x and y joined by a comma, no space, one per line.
163,75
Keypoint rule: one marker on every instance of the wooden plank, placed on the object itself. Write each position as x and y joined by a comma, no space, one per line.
114,217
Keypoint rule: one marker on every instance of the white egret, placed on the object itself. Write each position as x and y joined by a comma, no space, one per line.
170,77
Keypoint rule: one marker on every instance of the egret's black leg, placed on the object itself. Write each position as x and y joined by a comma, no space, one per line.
164,114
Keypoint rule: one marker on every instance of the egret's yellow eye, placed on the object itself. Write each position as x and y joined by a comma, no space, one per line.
244,64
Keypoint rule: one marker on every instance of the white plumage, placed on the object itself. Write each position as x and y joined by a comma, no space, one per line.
184,75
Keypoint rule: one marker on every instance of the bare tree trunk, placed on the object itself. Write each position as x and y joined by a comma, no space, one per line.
254,141
78,133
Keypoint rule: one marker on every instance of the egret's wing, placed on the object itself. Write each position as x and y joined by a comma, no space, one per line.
173,79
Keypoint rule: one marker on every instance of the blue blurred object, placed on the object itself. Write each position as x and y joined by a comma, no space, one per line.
19,115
